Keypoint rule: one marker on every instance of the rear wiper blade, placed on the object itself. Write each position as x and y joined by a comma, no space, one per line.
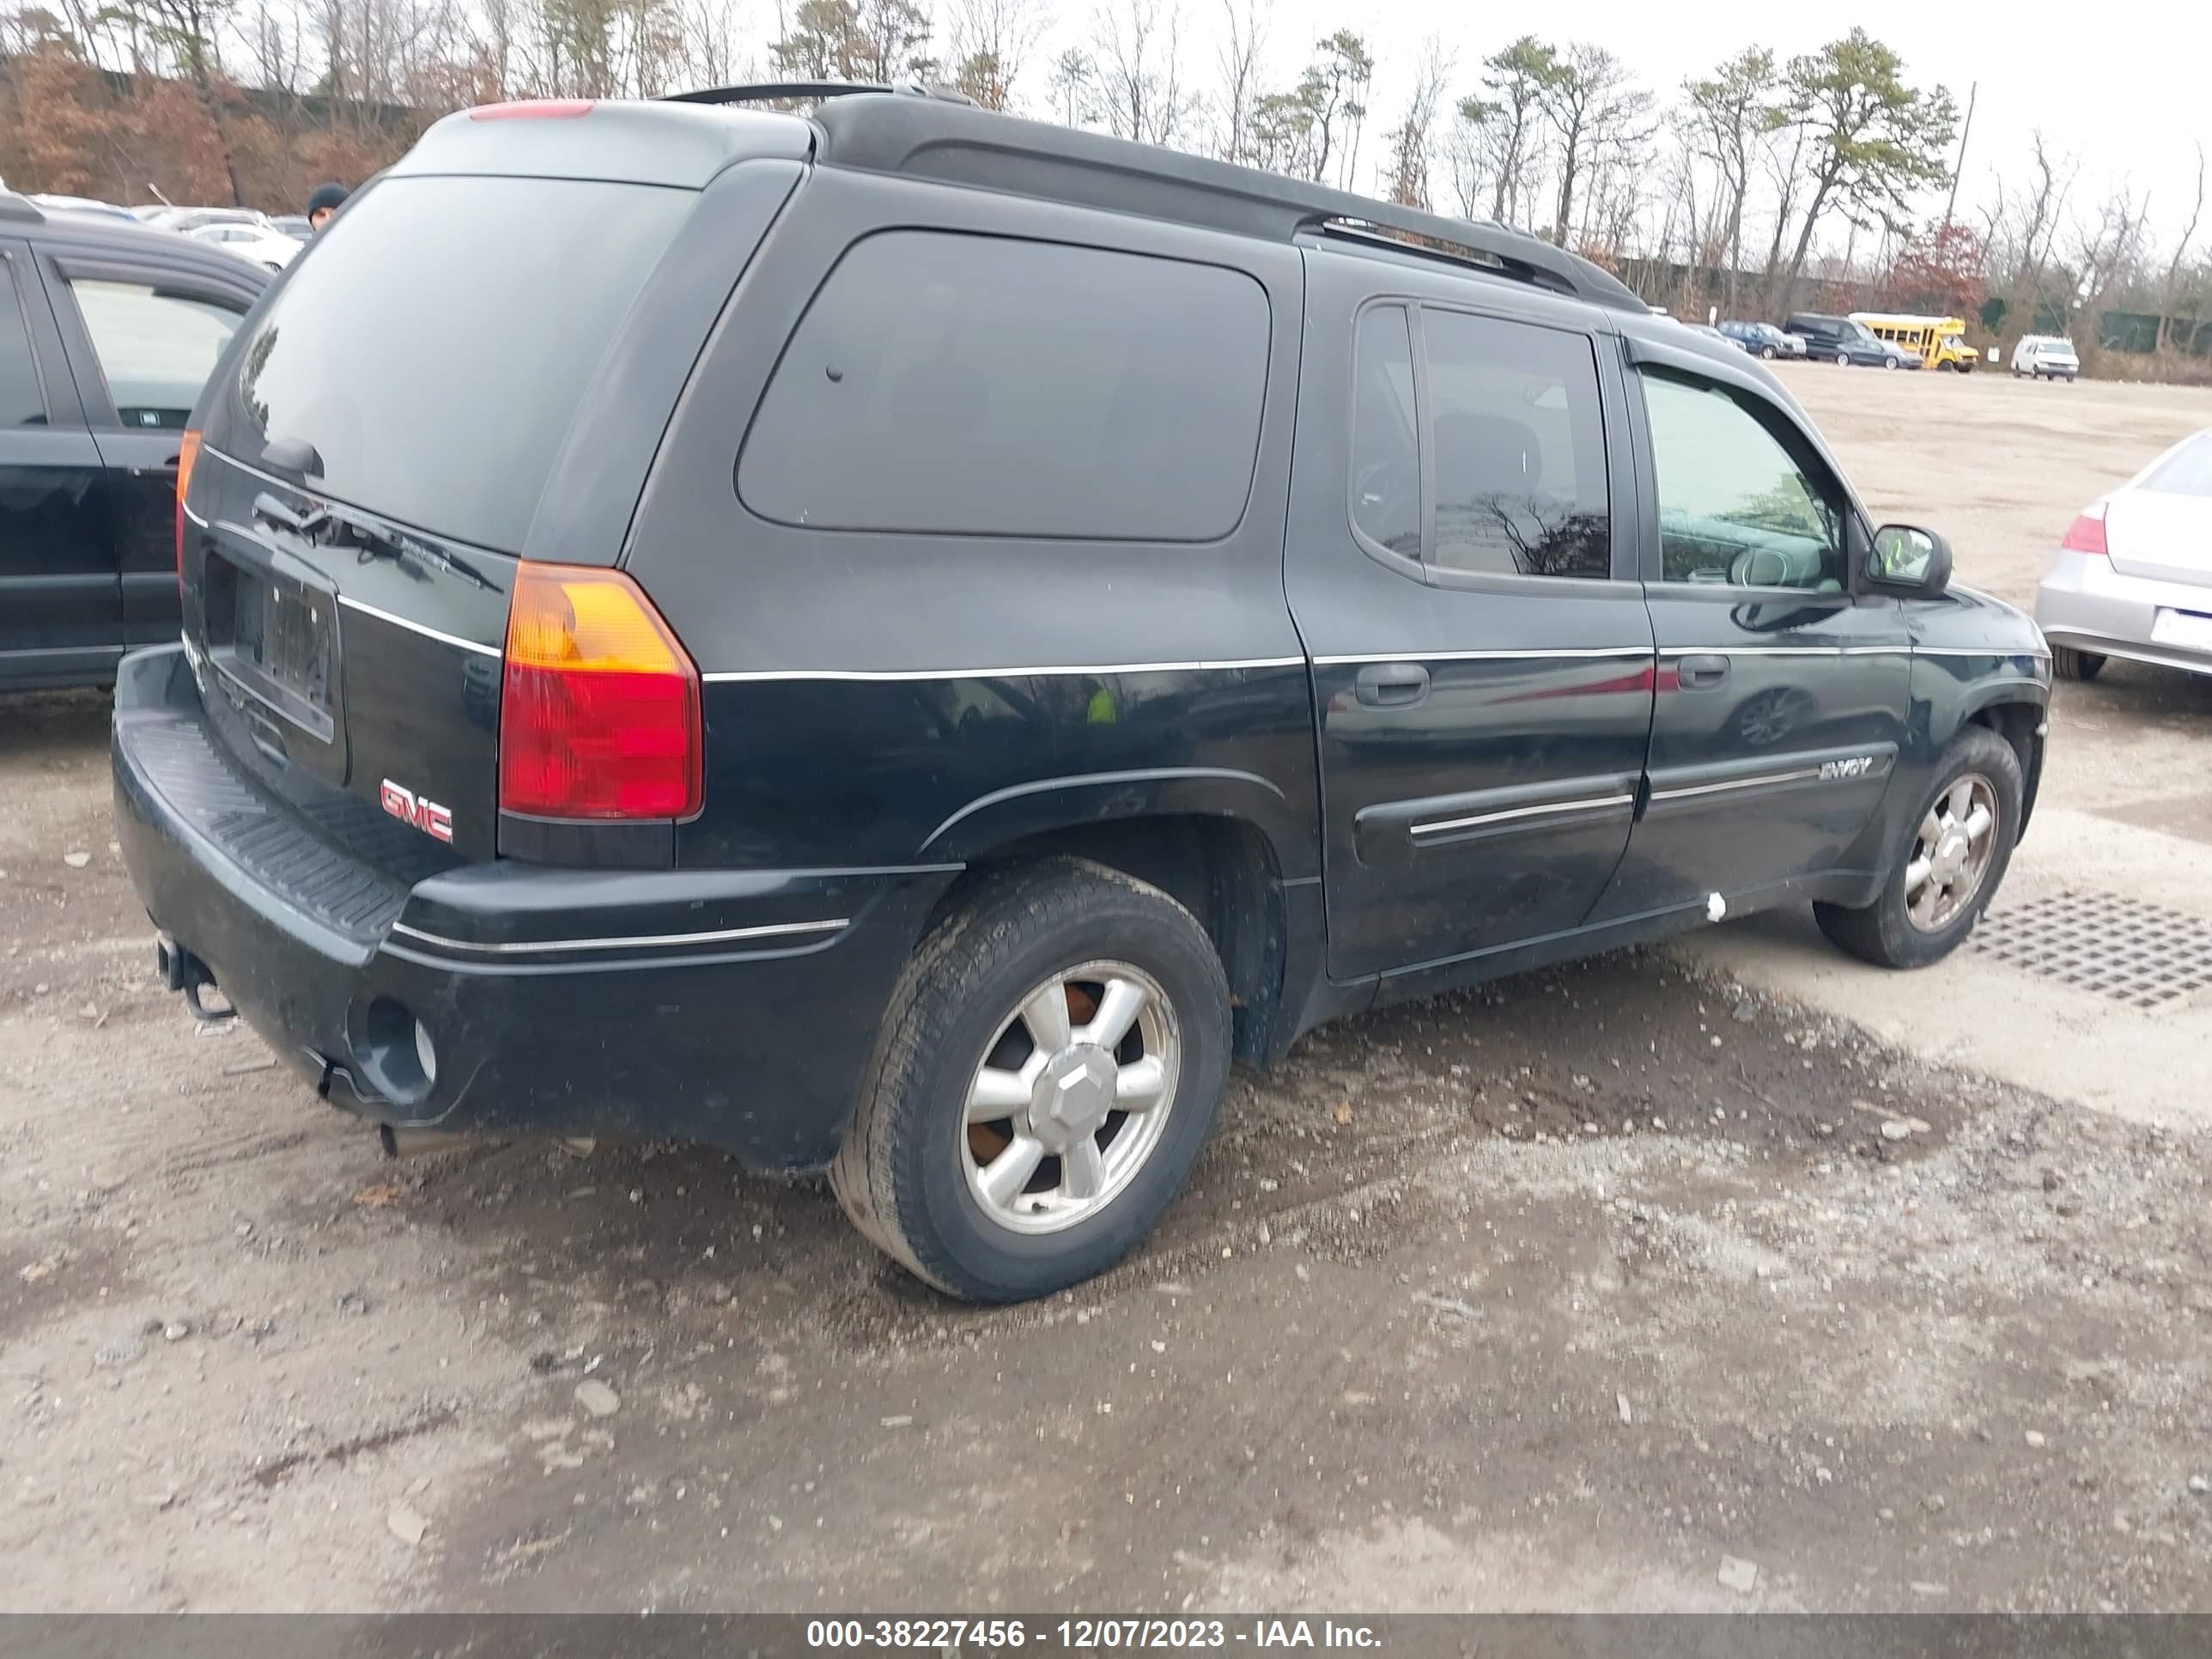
381,541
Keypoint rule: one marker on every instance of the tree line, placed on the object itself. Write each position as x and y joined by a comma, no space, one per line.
1762,184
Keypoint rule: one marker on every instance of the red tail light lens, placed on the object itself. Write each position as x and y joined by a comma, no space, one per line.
598,712
188,453
2087,533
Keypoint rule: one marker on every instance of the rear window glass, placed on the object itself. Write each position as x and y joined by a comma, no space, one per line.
2187,472
951,383
433,342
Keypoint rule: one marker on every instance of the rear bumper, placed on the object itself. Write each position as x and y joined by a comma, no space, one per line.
2087,605
736,1008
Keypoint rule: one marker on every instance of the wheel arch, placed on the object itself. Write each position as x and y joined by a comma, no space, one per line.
2022,724
1225,845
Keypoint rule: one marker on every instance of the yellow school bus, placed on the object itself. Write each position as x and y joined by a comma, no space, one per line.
1938,341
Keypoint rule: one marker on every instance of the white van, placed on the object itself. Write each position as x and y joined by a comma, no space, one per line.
2046,357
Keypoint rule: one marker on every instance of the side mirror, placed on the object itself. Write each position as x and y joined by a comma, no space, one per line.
1904,555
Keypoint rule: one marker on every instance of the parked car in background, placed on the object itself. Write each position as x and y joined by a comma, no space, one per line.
266,246
1939,342
2046,357
294,225
947,832
1764,340
86,204
1840,340
2133,575
107,331
185,220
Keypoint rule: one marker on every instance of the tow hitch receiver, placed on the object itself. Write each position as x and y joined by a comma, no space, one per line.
181,970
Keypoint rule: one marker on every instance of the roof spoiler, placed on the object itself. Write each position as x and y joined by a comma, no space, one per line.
19,209
767,92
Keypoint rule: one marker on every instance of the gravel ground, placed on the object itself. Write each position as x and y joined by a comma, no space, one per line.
1614,1287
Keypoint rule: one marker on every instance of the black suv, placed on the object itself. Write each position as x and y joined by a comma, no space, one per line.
907,639
107,332
1840,340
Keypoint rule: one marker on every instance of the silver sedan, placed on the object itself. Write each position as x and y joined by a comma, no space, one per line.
2133,577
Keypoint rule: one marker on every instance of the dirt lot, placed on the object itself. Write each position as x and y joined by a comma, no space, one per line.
1595,1290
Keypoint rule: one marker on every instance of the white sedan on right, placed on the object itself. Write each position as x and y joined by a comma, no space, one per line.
2133,577
261,244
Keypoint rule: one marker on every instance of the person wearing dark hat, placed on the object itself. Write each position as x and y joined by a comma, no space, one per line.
325,201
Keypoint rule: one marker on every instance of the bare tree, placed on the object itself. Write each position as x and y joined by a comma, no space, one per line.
1471,148
1238,62
986,43
1074,87
1411,140
1138,66
2024,233
2107,255
2169,291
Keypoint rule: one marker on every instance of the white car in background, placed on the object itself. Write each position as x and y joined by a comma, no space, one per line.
259,243
2045,357
2133,577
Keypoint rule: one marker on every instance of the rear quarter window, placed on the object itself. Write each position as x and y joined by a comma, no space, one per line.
949,384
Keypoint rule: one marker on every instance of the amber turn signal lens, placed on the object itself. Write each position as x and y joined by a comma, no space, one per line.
188,453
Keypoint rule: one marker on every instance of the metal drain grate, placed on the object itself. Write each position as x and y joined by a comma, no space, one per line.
2134,952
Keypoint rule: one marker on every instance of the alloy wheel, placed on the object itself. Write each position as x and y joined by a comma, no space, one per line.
1950,852
1071,1097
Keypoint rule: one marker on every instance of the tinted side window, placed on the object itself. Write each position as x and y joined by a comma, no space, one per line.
1735,509
1386,452
1520,448
982,386
156,349
22,400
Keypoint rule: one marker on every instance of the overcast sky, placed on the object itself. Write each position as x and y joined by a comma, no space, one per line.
2125,85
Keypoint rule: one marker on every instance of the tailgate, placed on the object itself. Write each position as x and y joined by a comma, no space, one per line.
352,665
375,453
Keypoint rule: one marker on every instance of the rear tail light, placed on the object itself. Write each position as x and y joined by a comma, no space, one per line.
188,451
2087,533
598,713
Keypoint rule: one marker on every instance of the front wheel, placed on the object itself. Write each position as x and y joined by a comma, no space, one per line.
1051,1066
1767,352
1952,858
1892,362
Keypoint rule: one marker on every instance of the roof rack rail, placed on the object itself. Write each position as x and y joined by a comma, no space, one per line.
774,91
924,138
19,209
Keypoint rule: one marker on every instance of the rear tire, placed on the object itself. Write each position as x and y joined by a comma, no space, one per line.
918,1171
1886,933
2068,663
